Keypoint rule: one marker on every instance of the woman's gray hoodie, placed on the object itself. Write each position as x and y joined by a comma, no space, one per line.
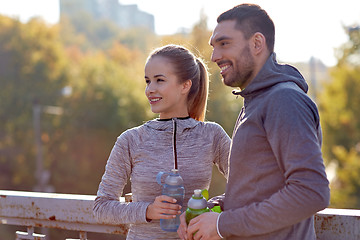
141,152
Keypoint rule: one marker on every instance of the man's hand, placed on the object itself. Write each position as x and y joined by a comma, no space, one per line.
182,230
161,206
203,227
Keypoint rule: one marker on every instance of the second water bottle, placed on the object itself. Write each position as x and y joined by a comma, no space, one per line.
196,206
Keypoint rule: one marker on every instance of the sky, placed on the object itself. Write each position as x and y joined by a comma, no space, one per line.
304,28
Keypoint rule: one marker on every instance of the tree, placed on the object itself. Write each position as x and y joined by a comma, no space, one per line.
339,111
107,98
32,70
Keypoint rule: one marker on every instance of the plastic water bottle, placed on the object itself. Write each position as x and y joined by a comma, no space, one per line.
173,187
197,205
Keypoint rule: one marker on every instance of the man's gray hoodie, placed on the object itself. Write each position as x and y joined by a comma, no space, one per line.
277,178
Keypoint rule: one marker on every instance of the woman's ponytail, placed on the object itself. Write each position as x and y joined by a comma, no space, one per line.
197,106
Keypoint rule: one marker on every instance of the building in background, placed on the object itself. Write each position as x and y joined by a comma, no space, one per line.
125,16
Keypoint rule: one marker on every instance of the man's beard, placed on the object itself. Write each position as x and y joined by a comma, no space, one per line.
243,72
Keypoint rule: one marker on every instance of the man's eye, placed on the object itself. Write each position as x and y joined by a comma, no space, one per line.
224,43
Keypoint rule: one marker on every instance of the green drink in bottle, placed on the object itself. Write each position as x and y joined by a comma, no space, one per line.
196,206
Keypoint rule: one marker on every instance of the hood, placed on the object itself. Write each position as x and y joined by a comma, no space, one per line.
271,74
167,125
175,126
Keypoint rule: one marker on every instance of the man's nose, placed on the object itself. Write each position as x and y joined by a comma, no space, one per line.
215,56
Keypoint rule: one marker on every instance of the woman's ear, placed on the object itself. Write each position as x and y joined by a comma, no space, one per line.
186,86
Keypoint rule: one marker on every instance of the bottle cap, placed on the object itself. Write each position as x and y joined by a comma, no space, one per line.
174,179
197,193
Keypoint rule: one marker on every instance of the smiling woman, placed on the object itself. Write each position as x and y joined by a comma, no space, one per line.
166,96
177,89
176,72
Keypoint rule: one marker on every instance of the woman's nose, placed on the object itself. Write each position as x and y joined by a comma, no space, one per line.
149,89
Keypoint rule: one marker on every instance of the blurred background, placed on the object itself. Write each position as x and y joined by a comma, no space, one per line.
72,80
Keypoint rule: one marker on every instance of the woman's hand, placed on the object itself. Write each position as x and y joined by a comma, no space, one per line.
163,208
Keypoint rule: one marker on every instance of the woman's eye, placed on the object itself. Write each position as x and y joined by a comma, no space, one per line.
147,81
160,80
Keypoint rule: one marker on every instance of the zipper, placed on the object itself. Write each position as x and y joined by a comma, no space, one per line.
174,143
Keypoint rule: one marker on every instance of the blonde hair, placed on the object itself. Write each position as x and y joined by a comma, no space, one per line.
188,66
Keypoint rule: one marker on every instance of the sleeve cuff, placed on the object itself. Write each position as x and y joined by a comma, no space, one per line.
146,219
217,226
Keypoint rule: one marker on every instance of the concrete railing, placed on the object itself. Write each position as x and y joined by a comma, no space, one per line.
50,210
338,224
74,212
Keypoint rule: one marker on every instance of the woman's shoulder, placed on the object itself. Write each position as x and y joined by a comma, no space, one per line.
132,133
214,131
213,127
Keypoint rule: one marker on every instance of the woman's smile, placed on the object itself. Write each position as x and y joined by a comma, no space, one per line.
153,100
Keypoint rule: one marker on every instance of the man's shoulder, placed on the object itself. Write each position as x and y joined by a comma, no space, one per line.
288,86
285,91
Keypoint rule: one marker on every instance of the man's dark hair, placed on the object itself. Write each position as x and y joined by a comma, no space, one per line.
251,18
